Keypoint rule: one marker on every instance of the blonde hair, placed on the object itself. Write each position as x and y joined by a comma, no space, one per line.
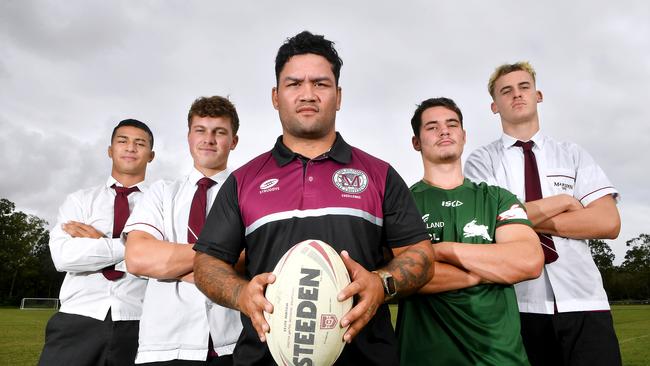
508,68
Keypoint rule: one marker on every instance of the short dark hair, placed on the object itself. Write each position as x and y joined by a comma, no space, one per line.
215,107
133,123
303,43
416,120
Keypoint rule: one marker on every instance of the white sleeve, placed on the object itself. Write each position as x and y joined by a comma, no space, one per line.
148,213
591,181
479,167
81,254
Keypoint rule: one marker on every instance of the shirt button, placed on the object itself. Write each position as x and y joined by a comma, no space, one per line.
311,179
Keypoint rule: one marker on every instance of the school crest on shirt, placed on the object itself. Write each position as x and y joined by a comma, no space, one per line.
350,180
472,229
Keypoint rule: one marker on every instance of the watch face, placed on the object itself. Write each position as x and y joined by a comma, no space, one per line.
390,285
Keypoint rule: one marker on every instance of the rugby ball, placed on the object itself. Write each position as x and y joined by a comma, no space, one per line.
305,323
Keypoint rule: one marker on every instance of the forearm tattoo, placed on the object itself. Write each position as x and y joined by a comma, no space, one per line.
218,281
411,269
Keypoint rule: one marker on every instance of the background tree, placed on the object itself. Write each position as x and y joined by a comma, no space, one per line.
26,268
637,258
602,254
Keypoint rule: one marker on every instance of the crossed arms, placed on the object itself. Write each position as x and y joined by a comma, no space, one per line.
515,256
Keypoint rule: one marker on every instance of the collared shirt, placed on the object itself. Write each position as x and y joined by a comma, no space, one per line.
85,290
573,281
345,197
176,316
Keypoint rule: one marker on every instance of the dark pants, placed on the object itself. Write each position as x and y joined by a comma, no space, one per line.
217,361
77,340
570,339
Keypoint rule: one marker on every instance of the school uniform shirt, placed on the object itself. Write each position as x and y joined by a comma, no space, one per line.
573,281
177,317
85,290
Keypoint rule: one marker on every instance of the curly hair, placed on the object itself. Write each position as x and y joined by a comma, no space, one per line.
215,107
304,43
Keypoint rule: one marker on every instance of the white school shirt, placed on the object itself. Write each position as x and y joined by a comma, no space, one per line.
573,280
85,290
177,317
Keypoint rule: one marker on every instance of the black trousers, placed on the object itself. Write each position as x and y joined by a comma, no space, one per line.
570,339
75,340
217,361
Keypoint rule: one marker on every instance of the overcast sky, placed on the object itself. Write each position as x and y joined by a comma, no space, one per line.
70,70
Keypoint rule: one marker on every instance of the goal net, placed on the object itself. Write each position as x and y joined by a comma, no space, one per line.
39,303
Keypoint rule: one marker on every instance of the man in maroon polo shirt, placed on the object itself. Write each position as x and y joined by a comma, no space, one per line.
312,184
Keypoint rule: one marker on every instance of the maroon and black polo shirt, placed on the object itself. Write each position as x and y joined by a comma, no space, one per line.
346,198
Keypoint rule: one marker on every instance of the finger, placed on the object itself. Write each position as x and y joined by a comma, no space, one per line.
351,265
260,325
358,317
350,290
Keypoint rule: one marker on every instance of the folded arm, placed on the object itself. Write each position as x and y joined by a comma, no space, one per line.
598,220
78,247
515,256
149,257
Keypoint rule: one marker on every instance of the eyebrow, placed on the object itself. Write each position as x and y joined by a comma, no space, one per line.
314,79
447,120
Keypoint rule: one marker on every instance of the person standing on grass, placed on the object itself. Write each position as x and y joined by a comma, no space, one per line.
565,315
483,242
101,304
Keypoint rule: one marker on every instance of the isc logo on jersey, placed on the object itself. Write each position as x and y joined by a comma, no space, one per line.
455,203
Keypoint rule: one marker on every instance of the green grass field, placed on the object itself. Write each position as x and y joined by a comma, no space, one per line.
22,334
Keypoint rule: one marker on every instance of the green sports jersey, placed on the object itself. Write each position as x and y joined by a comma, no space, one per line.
472,326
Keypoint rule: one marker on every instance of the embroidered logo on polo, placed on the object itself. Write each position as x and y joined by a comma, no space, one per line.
269,185
455,203
514,212
352,181
472,229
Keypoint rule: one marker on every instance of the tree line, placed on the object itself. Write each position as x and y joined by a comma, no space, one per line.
26,268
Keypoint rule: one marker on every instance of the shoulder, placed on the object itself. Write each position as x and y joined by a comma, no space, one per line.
253,166
486,150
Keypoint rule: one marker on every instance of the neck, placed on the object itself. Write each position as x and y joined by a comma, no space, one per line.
443,175
523,131
127,180
208,172
309,148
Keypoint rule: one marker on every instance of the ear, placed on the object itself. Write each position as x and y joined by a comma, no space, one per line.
540,97
338,97
110,151
153,155
274,97
235,140
415,141
494,108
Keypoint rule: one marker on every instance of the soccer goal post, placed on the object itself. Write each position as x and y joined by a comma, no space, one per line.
39,303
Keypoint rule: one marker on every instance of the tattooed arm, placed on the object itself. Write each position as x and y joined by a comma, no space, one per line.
220,282
411,268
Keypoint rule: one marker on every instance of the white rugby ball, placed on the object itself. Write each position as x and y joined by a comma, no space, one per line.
305,323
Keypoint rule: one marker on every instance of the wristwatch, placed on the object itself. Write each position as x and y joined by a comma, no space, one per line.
387,280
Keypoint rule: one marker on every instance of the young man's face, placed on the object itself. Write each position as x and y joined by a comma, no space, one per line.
515,97
442,137
130,150
211,140
307,97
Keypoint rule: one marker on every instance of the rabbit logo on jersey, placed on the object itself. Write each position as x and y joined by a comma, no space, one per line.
514,212
351,181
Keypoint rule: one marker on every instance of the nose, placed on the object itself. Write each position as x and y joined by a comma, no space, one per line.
131,146
307,93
